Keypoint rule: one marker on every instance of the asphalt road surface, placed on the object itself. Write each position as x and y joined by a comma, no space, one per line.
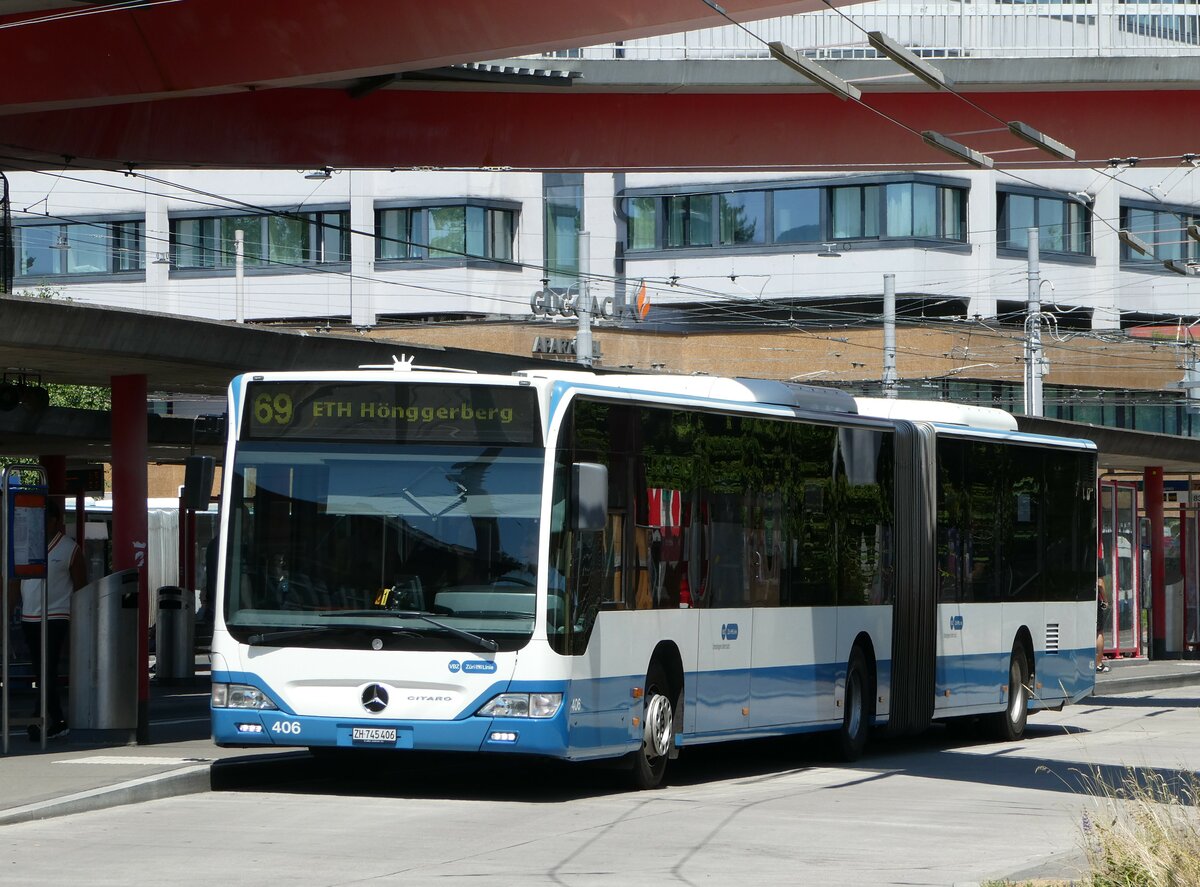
944,809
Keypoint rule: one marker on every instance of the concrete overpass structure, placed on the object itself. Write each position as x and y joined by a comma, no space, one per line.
66,343
372,85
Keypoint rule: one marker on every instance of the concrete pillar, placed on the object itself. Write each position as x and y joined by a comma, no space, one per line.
361,295
1152,487
157,294
130,536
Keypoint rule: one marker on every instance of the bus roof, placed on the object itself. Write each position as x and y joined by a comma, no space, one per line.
723,388
937,411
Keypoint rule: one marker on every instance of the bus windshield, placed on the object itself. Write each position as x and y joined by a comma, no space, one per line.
426,546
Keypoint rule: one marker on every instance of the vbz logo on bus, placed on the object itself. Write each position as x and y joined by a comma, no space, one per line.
729,631
956,623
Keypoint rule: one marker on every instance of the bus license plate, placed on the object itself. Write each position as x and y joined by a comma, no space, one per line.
373,734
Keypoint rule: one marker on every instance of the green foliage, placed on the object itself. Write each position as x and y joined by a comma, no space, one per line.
80,397
42,292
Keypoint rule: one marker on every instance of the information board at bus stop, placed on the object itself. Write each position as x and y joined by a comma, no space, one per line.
26,533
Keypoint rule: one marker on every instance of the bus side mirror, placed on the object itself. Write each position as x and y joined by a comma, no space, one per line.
197,482
590,483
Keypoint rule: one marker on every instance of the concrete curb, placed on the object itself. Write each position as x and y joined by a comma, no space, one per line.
1117,686
185,781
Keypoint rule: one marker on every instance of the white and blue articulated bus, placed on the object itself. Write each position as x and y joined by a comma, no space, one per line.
617,567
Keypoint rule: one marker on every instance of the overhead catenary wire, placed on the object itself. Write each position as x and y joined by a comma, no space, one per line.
104,9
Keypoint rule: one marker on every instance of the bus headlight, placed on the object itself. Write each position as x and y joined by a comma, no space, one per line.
523,705
241,696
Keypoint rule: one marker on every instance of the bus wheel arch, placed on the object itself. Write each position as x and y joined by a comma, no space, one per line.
1009,724
1025,639
662,717
858,703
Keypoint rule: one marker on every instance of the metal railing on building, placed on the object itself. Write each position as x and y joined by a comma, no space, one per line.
1102,29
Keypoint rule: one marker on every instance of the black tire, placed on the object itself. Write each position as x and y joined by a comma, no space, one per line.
1009,725
859,708
658,731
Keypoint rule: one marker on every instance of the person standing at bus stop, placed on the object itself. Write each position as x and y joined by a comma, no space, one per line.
66,573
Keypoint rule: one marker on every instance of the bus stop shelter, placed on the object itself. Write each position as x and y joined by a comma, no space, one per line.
1156,469
134,353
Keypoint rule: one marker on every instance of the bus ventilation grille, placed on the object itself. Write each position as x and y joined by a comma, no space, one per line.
1051,637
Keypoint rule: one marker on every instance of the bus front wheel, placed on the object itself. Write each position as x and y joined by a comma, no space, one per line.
658,731
1009,725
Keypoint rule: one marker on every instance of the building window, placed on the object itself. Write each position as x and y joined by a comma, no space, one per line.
562,194
1064,226
447,232
916,209
394,236
1164,230
798,215
854,212
689,220
642,213
78,248
499,233
283,239
743,217
444,232
332,237
910,209
128,248
954,213
252,241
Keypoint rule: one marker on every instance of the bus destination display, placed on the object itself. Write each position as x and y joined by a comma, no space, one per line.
391,412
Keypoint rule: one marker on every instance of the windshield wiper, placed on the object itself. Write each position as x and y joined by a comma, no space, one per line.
268,638
480,641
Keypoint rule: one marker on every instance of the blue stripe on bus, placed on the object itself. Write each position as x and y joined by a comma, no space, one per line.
596,718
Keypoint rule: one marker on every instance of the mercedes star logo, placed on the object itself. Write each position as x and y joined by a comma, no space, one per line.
374,698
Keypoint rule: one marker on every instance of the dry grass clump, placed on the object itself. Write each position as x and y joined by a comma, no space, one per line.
1146,832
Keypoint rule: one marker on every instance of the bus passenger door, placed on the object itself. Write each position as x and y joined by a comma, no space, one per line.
956,561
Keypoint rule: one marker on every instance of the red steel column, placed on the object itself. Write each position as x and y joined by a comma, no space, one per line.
129,459
1152,487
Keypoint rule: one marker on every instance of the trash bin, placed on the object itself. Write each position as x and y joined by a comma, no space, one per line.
175,636
104,648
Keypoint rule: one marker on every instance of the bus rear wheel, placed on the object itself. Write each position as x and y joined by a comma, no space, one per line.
1009,725
859,708
658,731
